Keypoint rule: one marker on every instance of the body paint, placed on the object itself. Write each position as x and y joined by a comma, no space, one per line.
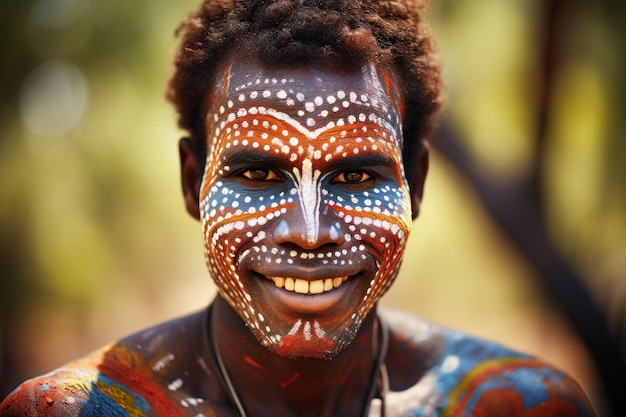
167,371
306,232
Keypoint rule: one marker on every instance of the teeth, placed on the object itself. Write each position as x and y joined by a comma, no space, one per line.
302,286
316,287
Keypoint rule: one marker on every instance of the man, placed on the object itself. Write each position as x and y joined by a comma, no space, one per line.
305,165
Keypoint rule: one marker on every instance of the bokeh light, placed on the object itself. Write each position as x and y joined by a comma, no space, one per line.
53,98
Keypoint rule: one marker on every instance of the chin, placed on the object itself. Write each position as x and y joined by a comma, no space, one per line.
306,341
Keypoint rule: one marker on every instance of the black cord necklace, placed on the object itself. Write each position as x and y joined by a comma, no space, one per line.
379,383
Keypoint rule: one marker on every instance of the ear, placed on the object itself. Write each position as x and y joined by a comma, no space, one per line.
191,175
418,178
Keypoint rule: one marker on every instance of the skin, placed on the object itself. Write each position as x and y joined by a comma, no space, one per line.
292,354
300,239
295,156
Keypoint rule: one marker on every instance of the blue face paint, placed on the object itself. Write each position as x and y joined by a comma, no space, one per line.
304,204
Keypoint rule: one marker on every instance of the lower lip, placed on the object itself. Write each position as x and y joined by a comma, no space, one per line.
308,303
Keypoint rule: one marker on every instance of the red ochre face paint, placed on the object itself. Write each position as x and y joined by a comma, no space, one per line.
304,204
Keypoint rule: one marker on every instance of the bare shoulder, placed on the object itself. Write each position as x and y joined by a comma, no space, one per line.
67,391
437,371
156,372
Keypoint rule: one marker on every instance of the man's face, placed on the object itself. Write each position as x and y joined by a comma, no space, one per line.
304,205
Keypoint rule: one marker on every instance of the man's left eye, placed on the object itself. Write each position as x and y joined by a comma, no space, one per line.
260,174
352,177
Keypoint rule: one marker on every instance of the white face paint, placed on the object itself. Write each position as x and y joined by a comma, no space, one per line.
304,205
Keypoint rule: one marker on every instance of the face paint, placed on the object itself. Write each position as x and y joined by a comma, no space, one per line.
304,205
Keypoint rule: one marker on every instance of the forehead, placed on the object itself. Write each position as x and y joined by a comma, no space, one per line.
310,99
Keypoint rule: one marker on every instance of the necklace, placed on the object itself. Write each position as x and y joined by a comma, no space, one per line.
379,383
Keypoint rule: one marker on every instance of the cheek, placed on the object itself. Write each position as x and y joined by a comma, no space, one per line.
381,220
231,218
231,222
380,216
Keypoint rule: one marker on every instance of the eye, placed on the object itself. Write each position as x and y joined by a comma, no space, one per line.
352,177
260,174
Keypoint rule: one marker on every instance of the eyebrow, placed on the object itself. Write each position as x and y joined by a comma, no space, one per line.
239,157
365,160
251,157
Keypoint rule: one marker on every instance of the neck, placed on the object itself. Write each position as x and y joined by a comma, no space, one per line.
270,384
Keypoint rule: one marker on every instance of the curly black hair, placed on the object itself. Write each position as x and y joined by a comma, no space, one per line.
350,32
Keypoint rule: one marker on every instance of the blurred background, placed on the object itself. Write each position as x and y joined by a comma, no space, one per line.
521,237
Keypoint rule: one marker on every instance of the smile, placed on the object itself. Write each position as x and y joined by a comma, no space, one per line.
302,286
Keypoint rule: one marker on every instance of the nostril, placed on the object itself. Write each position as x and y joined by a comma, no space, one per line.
298,233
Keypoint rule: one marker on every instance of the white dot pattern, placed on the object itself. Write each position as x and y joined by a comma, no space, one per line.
315,133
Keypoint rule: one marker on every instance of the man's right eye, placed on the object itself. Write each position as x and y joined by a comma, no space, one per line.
260,174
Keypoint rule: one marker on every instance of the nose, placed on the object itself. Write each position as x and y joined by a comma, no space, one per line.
293,229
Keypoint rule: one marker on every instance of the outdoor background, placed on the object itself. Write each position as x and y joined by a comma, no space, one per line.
524,204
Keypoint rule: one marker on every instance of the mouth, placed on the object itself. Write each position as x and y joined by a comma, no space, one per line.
309,296
302,286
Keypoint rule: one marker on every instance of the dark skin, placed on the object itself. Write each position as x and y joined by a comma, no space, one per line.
272,380
301,386
313,387
305,210
294,387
